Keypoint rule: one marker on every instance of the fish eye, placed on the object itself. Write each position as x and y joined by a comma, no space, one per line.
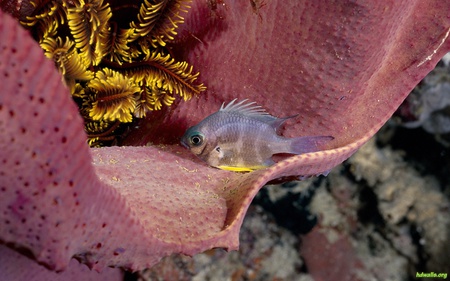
196,140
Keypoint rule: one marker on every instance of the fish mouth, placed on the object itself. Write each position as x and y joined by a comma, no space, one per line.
183,143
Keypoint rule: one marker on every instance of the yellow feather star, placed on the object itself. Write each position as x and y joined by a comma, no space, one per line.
117,68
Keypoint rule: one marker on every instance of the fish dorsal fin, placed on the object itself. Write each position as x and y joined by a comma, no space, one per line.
251,109
247,108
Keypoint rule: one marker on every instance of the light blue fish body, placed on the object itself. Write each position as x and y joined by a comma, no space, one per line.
243,137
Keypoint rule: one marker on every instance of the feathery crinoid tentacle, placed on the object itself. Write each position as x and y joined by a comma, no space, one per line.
71,65
88,23
116,45
161,79
175,77
158,21
115,96
46,19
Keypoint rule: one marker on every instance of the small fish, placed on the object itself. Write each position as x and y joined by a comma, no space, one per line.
243,137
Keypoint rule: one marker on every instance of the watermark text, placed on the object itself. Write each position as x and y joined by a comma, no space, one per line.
431,275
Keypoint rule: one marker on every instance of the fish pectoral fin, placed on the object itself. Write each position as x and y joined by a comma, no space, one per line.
240,169
302,145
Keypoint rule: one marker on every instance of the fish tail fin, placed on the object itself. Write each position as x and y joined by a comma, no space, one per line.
302,145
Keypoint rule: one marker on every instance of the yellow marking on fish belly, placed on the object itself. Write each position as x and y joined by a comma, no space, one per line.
240,169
